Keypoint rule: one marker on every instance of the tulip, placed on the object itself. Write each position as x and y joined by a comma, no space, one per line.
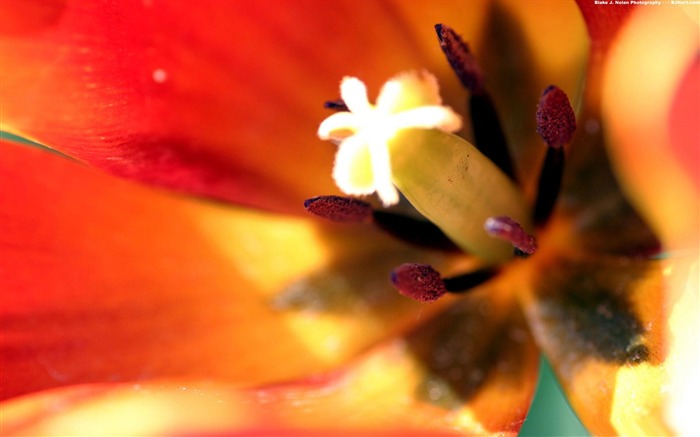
160,275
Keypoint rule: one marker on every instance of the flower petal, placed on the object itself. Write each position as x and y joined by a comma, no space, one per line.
217,100
618,332
104,280
641,99
682,118
603,23
472,370
642,80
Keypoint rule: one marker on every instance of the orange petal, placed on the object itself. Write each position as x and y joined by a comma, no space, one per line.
105,280
619,333
222,100
620,330
471,370
653,111
644,76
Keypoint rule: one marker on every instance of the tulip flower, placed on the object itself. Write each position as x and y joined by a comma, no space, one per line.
159,275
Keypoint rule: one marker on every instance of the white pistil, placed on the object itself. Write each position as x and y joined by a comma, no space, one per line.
363,162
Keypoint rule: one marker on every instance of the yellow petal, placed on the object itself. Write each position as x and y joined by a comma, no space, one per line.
472,370
105,280
623,347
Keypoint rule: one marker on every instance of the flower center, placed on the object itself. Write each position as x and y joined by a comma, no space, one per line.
465,196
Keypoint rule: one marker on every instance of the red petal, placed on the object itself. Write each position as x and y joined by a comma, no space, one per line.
603,21
684,123
653,123
222,99
105,280
471,370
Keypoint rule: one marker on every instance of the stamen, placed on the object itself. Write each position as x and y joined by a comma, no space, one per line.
509,230
488,134
460,58
418,281
556,124
424,284
467,281
418,232
336,105
549,185
556,121
408,229
339,209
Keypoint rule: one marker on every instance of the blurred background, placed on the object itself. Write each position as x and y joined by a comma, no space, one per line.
550,414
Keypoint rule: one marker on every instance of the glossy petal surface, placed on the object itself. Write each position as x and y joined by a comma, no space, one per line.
615,323
603,23
186,332
648,135
654,146
620,332
470,371
104,280
215,100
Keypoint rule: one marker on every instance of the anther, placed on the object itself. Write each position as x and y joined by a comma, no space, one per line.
509,230
418,281
461,59
335,105
339,209
408,229
556,124
488,134
556,121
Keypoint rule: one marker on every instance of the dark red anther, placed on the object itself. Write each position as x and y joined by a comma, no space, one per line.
556,124
460,58
556,121
488,134
510,230
418,281
339,209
